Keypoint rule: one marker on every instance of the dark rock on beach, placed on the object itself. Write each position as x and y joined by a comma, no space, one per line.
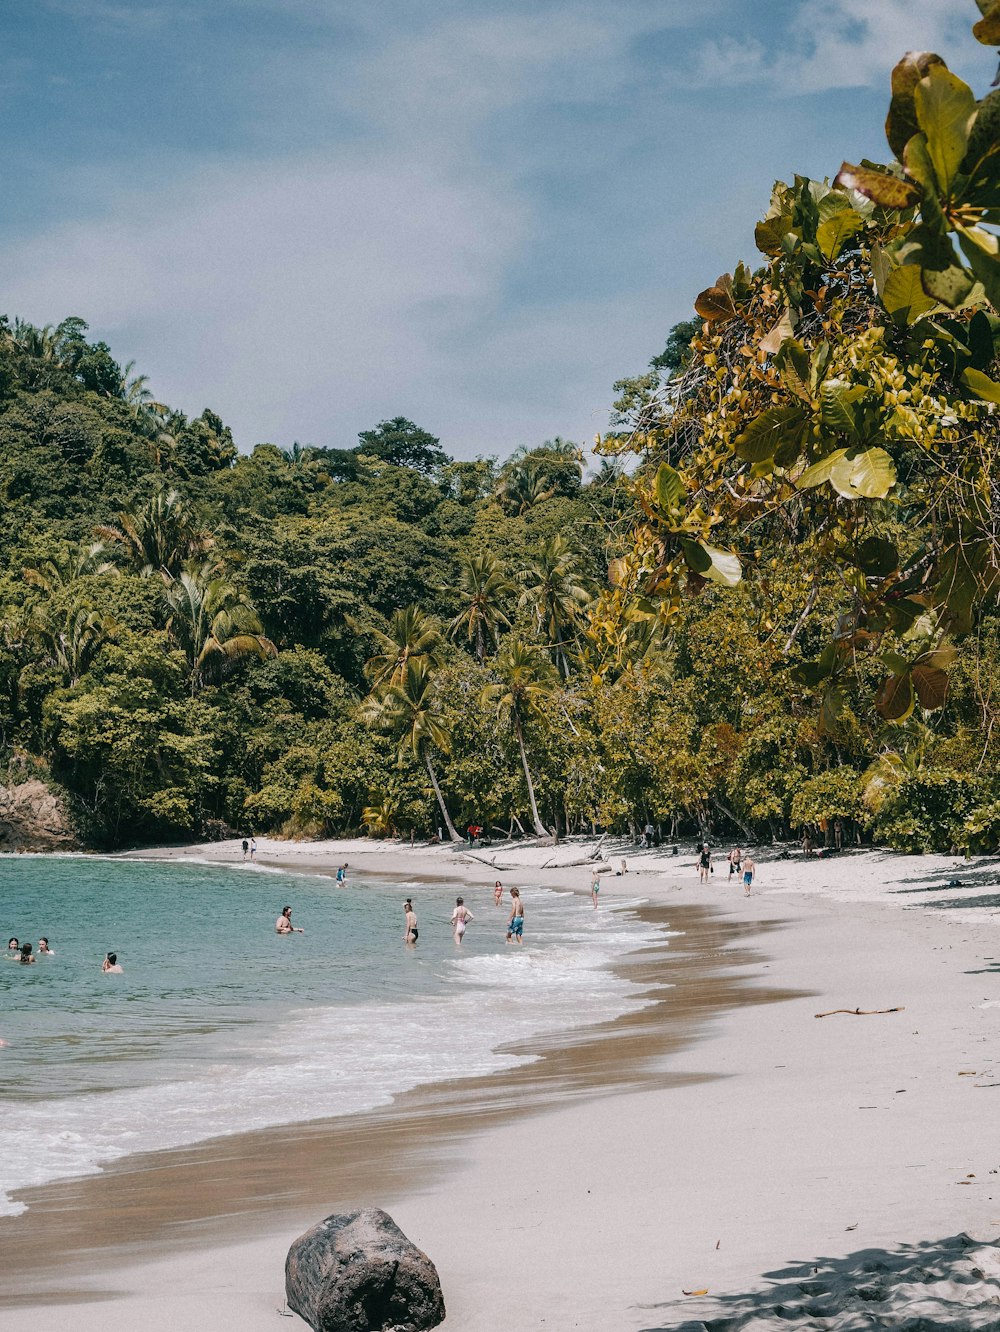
357,1272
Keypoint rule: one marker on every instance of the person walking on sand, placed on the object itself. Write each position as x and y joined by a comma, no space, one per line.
595,887
460,918
735,857
748,872
110,964
246,848
253,848
497,893
515,925
412,933
283,925
704,863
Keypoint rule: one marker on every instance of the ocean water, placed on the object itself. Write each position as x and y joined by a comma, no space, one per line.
220,1026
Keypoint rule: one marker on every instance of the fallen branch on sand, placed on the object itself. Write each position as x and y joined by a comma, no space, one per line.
860,1012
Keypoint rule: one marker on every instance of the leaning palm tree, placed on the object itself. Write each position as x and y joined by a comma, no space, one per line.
486,592
159,536
413,636
409,709
525,681
71,563
211,621
556,592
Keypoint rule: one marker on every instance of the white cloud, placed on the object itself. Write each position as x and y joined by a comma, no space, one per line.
836,44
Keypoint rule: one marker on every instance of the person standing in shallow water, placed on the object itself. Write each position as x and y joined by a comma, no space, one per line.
460,917
497,892
412,933
595,886
26,958
515,925
110,963
283,925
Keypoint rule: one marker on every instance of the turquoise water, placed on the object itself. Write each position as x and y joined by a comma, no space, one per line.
218,1025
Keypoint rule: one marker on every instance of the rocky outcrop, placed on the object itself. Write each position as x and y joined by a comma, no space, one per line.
358,1272
33,818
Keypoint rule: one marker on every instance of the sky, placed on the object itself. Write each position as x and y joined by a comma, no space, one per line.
312,215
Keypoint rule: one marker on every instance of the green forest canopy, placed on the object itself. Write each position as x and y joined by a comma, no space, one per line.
784,618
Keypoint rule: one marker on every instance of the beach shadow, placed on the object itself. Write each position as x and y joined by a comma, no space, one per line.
970,873
951,1283
993,900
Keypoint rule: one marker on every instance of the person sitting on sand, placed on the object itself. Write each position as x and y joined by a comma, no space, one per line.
515,925
283,925
13,950
43,947
497,893
110,963
460,917
26,958
748,871
412,933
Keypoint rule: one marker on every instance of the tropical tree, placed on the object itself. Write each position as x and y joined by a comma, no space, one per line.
211,621
71,636
413,636
409,709
486,592
525,681
556,593
69,564
159,536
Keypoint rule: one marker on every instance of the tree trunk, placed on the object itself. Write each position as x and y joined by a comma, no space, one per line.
452,831
748,833
540,828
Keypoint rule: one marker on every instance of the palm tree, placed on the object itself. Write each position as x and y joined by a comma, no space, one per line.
485,590
71,563
413,636
521,486
71,638
556,592
526,681
159,536
211,621
409,708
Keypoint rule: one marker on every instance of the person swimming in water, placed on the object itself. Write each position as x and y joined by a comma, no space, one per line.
283,925
13,950
43,947
26,958
412,933
110,963
515,925
460,918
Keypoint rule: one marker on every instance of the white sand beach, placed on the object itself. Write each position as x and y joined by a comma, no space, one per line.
843,1168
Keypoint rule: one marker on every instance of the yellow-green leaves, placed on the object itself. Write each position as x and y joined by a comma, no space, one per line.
982,387
903,295
901,122
853,473
768,431
833,234
987,30
718,566
669,490
886,190
945,109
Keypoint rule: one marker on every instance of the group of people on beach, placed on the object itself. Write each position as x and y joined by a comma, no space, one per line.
741,864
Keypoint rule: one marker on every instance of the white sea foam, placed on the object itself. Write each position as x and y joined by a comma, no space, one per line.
337,1060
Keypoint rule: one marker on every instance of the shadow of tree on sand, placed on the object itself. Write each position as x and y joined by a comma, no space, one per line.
951,1283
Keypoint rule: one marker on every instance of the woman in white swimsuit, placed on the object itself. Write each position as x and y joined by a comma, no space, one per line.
460,917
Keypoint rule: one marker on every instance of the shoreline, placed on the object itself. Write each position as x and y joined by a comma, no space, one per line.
766,1132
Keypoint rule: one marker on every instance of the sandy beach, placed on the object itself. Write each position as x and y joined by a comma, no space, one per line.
725,1140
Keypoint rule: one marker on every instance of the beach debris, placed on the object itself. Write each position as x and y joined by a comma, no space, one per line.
703,1291
854,1227
861,1012
358,1272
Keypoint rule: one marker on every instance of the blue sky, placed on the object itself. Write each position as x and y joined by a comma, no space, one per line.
310,214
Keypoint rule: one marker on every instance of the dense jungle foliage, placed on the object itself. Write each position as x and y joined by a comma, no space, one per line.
782,618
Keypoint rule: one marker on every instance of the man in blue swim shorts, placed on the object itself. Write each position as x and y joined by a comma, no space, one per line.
515,925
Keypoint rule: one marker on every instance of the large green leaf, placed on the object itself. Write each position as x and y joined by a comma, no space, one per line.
980,248
981,166
901,122
833,234
877,556
988,390
763,435
820,472
983,339
903,295
951,286
724,567
838,401
768,234
670,493
987,30
886,190
793,365
868,474
946,108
